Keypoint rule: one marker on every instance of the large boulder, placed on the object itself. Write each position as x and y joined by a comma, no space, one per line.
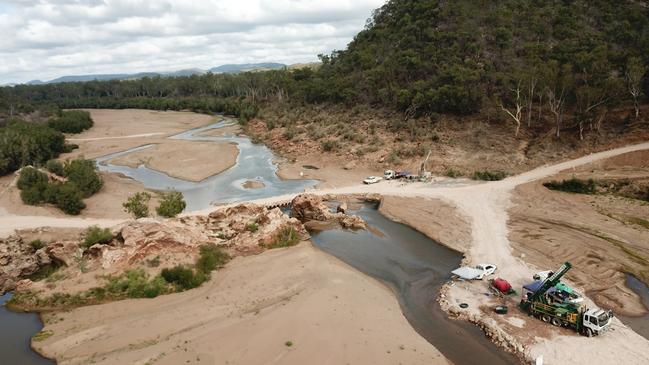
66,252
145,237
306,207
310,207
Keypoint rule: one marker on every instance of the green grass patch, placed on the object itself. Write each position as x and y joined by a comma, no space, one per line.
252,227
286,237
42,335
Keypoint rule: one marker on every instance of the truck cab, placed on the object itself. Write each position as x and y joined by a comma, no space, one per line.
596,321
389,175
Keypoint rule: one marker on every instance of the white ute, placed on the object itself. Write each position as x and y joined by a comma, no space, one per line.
372,180
474,273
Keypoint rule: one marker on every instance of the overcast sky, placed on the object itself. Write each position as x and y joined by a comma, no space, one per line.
45,39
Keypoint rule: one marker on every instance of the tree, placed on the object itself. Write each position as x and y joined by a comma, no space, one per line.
83,173
69,199
518,104
635,70
29,177
138,205
559,81
171,204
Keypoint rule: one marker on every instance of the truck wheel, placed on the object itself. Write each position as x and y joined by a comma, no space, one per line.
589,332
545,318
556,322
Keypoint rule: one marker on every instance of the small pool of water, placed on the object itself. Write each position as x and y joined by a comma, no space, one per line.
638,324
415,267
255,163
16,331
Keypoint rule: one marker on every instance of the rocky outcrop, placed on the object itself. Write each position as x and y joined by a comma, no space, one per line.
16,259
306,207
240,230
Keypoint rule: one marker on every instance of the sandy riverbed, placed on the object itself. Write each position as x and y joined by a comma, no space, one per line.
245,315
187,160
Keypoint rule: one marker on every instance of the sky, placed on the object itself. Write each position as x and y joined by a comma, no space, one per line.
46,39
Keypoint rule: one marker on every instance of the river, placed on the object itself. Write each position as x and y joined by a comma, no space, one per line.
16,331
254,163
415,267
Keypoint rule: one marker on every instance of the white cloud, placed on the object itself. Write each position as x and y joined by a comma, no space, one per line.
44,39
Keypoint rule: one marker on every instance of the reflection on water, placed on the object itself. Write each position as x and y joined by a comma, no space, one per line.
16,331
255,162
415,267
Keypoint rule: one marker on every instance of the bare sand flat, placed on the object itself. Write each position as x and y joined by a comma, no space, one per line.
128,122
245,315
187,160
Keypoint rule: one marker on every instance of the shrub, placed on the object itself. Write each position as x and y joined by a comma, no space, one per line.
71,121
489,175
96,235
83,173
211,258
135,284
29,177
34,195
68,198
573,185
138,205
183,277
452,173
286,237
252,227
329,145
171,204
37,244
67,148
55,167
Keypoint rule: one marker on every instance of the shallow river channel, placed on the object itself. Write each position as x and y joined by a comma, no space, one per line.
254,163
415,267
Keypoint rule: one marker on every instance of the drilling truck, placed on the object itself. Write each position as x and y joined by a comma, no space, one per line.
536,302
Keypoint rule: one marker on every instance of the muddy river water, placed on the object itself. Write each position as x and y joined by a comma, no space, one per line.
16,330
415,267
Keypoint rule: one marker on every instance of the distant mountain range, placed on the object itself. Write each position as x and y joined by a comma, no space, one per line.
230,68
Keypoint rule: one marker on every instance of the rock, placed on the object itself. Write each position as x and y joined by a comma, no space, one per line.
311,207
342,208
143,238
16,257
352,222
23,285
350,165
7,283
64,252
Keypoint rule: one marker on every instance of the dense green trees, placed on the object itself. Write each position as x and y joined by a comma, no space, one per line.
71,121
23,143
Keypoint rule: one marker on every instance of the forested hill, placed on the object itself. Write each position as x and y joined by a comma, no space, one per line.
455,56
511,58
